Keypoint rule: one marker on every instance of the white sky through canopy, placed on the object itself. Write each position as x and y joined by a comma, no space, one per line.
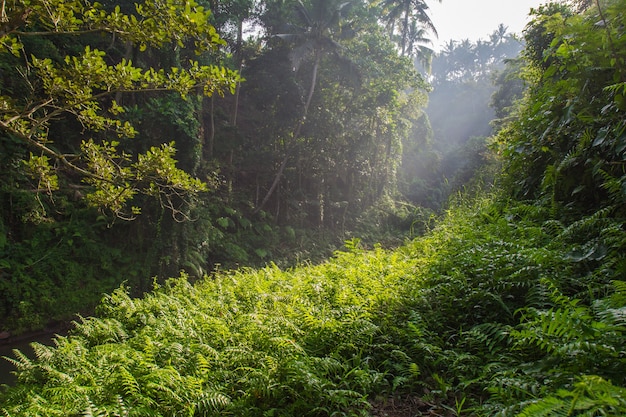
477,19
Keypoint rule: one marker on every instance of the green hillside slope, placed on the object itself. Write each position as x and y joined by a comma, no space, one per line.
495,310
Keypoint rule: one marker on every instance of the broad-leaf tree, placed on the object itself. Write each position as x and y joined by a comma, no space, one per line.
75,79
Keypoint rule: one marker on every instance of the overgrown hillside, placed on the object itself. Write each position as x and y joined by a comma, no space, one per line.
495,311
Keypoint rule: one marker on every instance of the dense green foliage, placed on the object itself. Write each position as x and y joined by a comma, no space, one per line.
567,145
512,304
69,146
80,84
123,113
495,309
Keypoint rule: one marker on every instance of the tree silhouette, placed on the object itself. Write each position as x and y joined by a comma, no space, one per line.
313,36
412,16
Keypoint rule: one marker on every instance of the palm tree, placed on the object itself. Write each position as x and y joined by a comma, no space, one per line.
411,14
499,35
313,36
417,45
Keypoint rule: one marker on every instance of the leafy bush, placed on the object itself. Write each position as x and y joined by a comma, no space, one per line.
57,270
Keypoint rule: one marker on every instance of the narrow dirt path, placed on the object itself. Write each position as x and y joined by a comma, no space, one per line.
409,406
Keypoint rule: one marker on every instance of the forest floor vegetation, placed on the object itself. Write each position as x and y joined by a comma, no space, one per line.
496,311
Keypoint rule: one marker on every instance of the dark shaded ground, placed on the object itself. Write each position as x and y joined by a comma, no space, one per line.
409,406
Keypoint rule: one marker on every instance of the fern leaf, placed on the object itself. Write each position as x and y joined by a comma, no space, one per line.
591,396
211,401
21,362
43,352
127,381
495,336
547,407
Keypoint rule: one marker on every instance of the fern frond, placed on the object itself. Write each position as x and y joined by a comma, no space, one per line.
127,382
56,375
591,396
592,223
613,185
615,88
569,160
619,297
495,336
21,362
43,352
510,385
553,227
117,304
529,211
211,401
539,296
93,411
64,394
548,407
549,179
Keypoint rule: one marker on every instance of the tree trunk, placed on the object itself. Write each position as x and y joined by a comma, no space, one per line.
238,57
295,135
211,128
275,183
201,131
405,28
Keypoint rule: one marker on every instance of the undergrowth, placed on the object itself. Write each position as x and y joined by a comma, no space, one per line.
495,311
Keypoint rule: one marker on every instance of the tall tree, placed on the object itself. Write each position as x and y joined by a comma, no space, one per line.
412,18
313,36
